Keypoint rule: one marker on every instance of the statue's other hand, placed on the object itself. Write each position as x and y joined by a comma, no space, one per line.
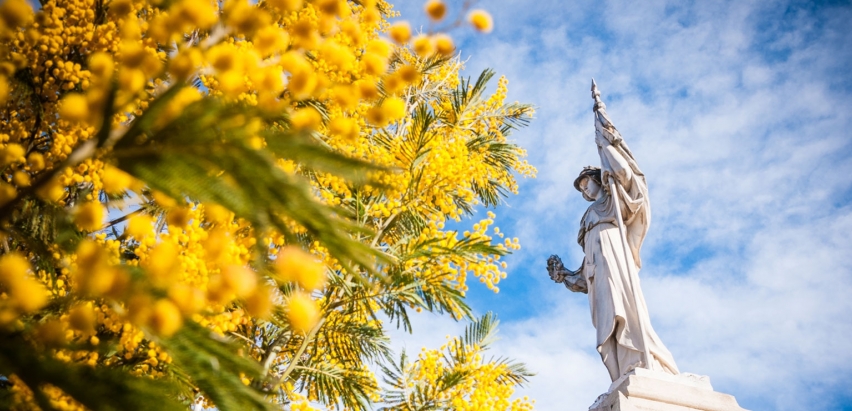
557,277
555,269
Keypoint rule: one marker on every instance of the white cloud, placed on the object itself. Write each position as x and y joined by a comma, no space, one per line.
738,113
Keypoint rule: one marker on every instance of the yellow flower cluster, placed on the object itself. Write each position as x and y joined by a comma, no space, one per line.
298,401
447,173
484,387
24,400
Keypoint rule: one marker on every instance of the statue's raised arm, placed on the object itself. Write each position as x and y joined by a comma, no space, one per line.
619,166
611,234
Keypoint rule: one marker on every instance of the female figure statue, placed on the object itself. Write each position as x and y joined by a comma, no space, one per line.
611,234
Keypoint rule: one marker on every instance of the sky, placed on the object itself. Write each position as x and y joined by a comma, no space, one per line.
738,112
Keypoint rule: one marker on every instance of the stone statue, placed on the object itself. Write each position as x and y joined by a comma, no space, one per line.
611,235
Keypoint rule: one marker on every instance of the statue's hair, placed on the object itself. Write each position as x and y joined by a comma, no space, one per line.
591,172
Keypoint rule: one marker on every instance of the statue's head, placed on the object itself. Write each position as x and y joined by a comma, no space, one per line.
589,183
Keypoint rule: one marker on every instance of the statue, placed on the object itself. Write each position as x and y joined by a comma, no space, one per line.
611,235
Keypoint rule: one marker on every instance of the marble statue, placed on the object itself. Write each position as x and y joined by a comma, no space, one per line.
611,235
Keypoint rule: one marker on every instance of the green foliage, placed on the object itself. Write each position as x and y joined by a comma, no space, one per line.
96,388
206,154
213,364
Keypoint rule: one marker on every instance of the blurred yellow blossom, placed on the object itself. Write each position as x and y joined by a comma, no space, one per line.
294,264
444,45
423,45
302,312
400,32
90,216
259,304
115,181
306,118
435,9
139,226
481,20
165,318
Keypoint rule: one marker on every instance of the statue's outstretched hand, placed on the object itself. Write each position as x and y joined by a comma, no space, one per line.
573,280
555,269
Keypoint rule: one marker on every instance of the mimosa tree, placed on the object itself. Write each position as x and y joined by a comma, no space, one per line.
228,203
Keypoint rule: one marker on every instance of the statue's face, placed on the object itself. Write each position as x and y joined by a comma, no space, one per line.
590,188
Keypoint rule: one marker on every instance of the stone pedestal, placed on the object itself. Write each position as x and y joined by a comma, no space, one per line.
646,390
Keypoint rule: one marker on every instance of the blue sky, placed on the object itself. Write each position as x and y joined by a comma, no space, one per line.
738,112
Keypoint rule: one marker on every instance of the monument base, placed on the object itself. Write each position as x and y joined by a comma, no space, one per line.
646,390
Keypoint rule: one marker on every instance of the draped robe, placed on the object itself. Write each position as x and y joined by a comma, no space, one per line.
615,312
